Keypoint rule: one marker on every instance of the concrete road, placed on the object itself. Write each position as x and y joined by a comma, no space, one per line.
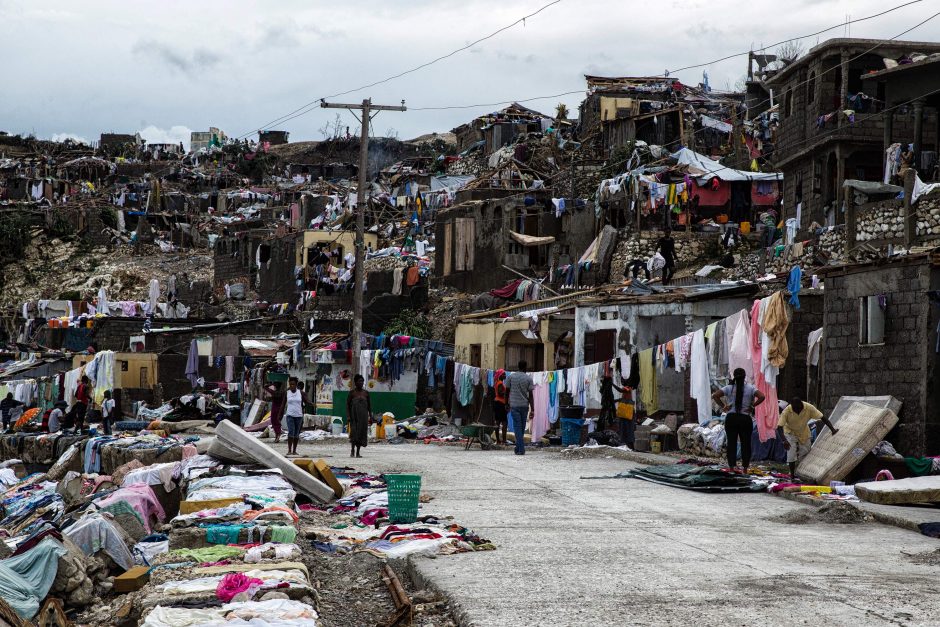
575,551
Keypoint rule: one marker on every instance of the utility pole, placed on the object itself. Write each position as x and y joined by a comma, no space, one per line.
361,204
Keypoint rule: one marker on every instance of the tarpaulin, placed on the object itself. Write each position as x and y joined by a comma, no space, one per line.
704,169
25,579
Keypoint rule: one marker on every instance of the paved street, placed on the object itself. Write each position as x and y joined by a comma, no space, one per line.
575,551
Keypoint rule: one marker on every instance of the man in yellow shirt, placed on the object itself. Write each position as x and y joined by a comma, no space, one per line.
795,423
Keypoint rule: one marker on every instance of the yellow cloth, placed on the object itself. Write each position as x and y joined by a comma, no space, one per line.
775,325
797,424
649,391
625,411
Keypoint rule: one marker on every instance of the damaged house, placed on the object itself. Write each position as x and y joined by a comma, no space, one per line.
834,124
481,242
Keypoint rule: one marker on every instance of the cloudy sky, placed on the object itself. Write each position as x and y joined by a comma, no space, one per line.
163,68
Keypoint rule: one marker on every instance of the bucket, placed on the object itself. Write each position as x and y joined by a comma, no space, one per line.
337,426
403,493
745,228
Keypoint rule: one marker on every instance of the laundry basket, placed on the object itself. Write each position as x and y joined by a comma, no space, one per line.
403,492
571,431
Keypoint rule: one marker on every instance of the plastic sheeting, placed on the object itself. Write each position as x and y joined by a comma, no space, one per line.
705,169
94,533
25,579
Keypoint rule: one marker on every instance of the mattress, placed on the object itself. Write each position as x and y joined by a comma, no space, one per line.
860,426
885,402
901,491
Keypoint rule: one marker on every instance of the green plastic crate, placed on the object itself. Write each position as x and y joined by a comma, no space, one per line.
403,493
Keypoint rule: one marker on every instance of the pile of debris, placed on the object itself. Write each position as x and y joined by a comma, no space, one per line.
159,530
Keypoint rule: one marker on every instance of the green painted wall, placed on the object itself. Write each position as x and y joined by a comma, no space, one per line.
402,404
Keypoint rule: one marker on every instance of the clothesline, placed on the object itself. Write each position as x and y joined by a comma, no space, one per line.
754,341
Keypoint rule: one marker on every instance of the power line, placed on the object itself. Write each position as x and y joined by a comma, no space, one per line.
804,82
839,25
316,102
496,104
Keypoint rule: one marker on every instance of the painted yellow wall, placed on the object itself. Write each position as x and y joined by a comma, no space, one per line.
490,335
609,106
345,239
131,377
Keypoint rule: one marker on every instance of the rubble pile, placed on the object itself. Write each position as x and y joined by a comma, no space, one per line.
446,305
691,251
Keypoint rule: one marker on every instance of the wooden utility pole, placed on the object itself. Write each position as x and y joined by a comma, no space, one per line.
361,205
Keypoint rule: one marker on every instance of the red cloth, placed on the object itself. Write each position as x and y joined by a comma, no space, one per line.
233,584
767,414
508,290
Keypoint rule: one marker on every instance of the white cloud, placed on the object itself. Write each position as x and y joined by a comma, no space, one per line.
61,137
173,135
264,60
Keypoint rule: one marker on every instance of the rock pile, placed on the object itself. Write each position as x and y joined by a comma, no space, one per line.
696,250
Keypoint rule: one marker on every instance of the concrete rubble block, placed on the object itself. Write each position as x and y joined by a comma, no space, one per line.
235,438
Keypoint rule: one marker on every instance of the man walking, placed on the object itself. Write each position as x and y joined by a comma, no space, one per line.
666,246
519,385
794,420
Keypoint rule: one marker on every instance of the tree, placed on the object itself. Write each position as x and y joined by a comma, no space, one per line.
790,51
333,129
561,112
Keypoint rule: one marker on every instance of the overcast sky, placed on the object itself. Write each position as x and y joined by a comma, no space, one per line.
163,68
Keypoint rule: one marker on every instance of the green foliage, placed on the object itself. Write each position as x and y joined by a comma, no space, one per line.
60,226
14,235
410,322
109,217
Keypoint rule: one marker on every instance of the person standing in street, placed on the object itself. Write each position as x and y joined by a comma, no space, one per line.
740,400
500,409
625,414
107,412
519,384
275,393
7,405
359,414
294,414
667,248
794,420
82,400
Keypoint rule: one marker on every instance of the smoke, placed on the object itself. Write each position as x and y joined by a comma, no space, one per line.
173,135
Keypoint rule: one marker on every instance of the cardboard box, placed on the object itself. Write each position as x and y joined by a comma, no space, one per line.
134,579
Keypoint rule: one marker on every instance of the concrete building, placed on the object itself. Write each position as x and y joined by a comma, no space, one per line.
500,128
832,122
199,140
118,140
342,241
880,338
476,238
500,338
273,138
917,85
633,321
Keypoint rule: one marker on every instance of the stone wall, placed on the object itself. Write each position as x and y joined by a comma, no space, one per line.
883,220
692,249
902,366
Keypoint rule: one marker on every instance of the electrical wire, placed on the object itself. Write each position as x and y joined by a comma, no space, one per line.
819,32
315,103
